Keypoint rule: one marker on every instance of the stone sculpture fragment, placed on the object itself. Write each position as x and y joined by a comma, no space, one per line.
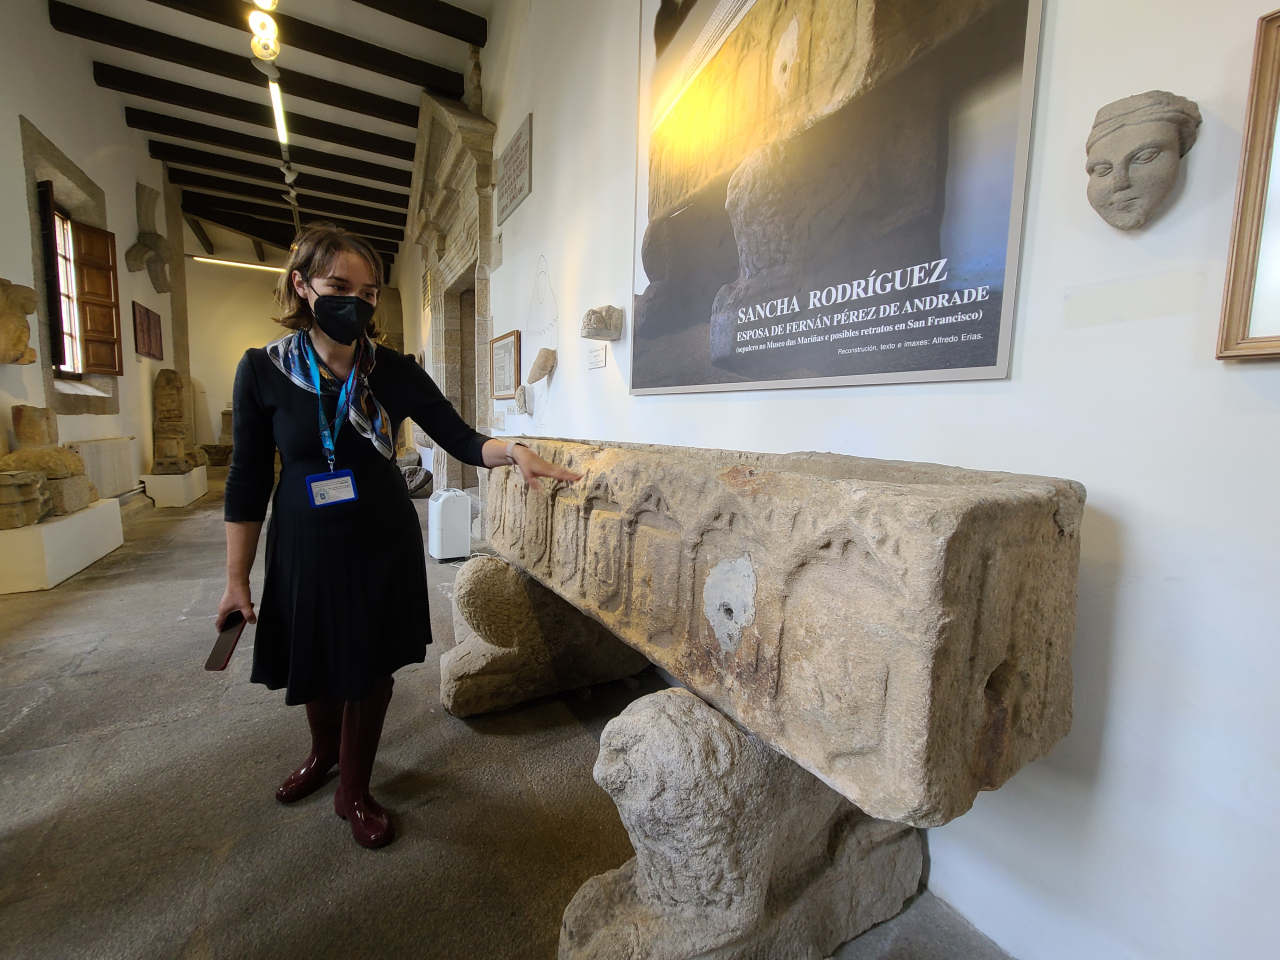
603,323
1134,153
24,498
34,426
902,631
740,854
543,364
71,494
56,463
152,250
523,641
16,304
171,454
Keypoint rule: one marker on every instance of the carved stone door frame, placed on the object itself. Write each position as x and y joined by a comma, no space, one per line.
451,216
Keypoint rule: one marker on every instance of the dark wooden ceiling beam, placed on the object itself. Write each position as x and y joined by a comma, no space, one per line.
202,238
277,234
176,154
245,143
283,212
275,195
220,105
441,17
329,43
127,36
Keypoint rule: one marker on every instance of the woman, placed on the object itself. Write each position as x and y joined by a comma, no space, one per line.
345,600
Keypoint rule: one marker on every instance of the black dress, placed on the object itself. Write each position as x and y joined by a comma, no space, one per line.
345,599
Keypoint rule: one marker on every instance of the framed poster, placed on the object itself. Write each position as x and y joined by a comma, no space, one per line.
148,340
829,192
504,365
1250,325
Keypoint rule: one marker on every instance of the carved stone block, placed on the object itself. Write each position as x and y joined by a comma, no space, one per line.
170,466
34,426
24,498
901,630
171,453
527,642
740,854
219,454
603,323
228,429
55,463
71,494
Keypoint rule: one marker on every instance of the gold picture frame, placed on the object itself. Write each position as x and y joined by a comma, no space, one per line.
504,365
1236,339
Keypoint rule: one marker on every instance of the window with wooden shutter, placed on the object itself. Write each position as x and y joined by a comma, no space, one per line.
97,299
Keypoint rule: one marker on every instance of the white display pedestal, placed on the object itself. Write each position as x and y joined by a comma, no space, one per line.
177,489
42,555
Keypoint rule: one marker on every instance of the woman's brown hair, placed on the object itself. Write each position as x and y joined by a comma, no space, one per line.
313,254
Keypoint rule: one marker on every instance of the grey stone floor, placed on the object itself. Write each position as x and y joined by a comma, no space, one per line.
137,816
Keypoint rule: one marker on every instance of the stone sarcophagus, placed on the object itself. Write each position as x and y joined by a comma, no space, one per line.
901,630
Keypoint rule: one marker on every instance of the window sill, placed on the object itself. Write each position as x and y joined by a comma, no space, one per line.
77,388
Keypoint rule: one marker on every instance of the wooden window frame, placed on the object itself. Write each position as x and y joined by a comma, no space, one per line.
96,298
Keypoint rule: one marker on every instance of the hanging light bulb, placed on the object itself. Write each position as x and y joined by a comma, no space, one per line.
265,43
267,5
265,49
262,25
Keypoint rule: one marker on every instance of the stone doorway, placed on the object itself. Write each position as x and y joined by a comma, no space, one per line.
451,216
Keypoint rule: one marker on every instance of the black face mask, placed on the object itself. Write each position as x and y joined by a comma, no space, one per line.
343,319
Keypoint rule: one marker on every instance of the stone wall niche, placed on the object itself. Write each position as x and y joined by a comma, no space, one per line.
902,631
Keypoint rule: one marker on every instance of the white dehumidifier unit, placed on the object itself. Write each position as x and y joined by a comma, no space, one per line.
449,525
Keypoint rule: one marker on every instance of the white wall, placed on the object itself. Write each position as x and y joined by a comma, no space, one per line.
406,276
47,77
229,310
1152,831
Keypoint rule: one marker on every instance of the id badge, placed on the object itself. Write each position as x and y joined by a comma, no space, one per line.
329,488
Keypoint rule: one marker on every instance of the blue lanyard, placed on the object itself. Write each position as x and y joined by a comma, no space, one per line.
329,436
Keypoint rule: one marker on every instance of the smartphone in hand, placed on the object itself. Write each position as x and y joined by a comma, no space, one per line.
220,656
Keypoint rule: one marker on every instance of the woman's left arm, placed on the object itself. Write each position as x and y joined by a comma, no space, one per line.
502,453
431,410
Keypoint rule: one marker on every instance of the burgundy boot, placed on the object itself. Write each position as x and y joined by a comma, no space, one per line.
325,719
361,731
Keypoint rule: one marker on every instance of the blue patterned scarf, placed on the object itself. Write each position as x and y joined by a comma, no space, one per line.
366,413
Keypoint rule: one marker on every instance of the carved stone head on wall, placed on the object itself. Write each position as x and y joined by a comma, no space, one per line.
1134,151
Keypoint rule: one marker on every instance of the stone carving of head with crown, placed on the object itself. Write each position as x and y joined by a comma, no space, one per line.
1134,151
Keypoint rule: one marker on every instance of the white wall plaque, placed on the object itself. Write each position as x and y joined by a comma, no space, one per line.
596,356
515,171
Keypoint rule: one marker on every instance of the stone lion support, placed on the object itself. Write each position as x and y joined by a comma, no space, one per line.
740,854
527,643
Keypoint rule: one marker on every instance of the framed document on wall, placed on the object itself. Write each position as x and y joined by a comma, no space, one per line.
147,337
829,192
504,365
